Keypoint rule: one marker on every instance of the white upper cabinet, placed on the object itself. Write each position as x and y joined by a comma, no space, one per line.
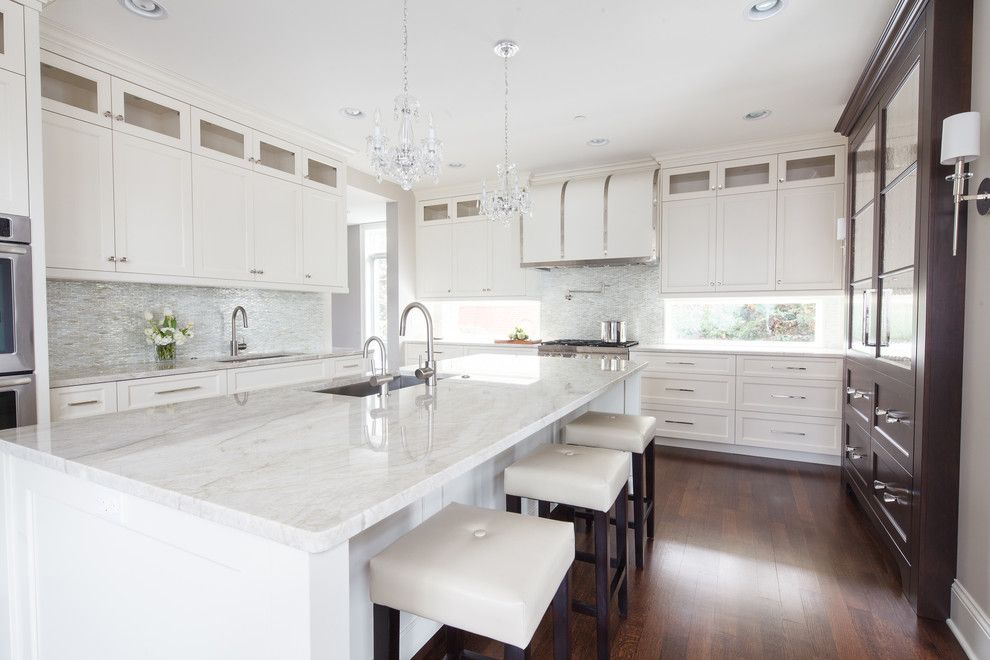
467,207
584,219
747,175
692,182
324,237
688,245
508,277
78,157
541,231
223,220
632,208
11,36
434,257
152,207
808,254
145,113
75,90
471,265
277,158
812,167
277,230
322,173
746,233
221,139
434,212
13,145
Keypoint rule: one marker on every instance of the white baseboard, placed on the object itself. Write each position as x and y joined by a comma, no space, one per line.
969,623
780,454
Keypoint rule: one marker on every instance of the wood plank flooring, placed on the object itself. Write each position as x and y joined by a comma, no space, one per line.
753,558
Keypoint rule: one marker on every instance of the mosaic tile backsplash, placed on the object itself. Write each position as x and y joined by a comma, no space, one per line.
632,294
101,323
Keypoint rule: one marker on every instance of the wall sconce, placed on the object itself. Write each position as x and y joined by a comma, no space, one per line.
961,145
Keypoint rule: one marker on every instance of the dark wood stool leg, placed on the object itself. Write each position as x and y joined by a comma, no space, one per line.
455,643
516,653
543,508
562,620
651,485
622,553
386,633
603,594
513,504
637,499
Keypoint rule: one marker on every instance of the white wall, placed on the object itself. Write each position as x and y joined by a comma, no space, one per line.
973,571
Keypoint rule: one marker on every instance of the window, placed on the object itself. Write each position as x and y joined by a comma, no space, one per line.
478,320
375,279
798,321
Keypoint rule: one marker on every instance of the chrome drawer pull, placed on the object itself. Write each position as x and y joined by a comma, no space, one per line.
787,396
677,421
888,498
850,450
790,368
687,364
879,485
83,403
350,366
897,417
856,456
787,432
678,389
880,412
176,390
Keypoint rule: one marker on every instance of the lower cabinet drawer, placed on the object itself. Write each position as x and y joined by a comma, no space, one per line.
818,398
893,496
708,425
349,366
860,392
83,401
893,421
787,367
249,379
686,363
688,390
858,450
819,435
148,392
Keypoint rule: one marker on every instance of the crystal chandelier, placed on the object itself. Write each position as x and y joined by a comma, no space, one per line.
508,199
406,162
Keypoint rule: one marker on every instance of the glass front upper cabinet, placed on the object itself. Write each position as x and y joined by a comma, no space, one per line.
467,208
900,148
689,182
864,158
813,167
897,318
747,175
75,90
434,212
862,245
150,115
321,172
219,138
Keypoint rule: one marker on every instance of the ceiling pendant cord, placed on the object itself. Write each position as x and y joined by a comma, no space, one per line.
506,61
405,47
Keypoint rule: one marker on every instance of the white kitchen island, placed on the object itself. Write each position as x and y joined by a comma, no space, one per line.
241,526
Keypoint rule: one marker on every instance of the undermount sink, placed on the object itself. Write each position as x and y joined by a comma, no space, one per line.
365,388
255,356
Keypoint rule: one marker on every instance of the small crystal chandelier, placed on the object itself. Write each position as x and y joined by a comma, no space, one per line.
508,199
406,162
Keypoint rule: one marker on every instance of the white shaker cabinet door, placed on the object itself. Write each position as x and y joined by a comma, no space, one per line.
434,251
153,207
277,229
11,36
541,230
223,219
471,263
688,245
324,239
808,254
13,145
78,159
631,230
746,237
508,277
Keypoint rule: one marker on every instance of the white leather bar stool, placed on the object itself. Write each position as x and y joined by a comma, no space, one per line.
487,572
591,478
634,434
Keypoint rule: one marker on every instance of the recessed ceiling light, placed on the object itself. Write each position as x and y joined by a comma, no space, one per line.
764,9
455,165
145,8
351,112
756,114
597,142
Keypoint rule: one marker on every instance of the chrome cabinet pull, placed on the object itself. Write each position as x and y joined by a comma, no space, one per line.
686,364
82,403
879,485
176,390
853,453
788,432
111,258
881,412
897,417
107,114
790,368
677,421
788,396
350,366
309,276
678,389
119,117
123,260
888,498
14,381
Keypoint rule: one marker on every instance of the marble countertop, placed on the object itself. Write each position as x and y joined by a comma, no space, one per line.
311,470
87,375
741,349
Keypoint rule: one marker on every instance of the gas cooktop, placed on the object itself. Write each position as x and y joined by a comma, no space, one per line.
590,343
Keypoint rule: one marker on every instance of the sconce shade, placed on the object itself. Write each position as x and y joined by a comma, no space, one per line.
961,138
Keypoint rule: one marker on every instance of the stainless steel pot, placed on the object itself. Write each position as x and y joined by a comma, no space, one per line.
614,332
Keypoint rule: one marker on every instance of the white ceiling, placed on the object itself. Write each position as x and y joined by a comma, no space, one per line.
364,207
650,75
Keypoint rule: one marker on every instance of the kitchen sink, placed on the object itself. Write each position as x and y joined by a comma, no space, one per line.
365,388
255,356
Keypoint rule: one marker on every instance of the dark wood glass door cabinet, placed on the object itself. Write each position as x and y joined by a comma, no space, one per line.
905,294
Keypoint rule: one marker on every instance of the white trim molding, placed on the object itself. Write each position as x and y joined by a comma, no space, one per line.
594,170
969,623
743,150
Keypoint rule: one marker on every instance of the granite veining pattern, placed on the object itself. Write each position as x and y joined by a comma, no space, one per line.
310,470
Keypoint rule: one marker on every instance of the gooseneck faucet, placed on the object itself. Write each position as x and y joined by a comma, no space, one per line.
428,372
381,380
237,346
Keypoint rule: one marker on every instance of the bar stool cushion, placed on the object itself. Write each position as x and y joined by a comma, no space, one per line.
488,572
588,477
611,431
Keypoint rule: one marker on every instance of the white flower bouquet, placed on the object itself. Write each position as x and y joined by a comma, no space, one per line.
166,335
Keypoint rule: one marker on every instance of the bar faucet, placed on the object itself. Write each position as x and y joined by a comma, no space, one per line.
237,346
381,380
428,372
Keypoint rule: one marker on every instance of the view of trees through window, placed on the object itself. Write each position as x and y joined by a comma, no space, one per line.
763,321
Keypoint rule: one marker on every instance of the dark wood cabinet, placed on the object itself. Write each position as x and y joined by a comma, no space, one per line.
905,294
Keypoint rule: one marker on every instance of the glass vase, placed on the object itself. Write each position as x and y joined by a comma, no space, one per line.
165,353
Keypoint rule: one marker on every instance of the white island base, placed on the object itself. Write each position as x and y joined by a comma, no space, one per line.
103,562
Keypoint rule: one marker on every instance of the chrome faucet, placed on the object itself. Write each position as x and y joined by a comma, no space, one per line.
237,346
428,372
381,380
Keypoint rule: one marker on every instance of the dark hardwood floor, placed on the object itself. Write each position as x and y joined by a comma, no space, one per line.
754,558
